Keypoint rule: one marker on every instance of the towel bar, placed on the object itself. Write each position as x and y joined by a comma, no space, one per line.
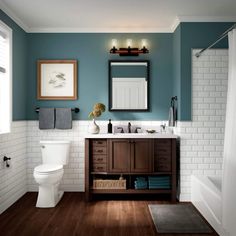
76,109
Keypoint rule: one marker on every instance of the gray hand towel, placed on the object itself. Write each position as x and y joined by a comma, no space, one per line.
63,118
46,118
171,117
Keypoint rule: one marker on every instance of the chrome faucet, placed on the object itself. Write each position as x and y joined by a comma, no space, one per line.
129,127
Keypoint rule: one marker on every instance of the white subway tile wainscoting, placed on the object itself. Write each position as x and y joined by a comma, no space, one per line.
201,140
13,180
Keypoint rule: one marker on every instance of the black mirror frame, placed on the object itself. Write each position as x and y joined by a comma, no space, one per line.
110,86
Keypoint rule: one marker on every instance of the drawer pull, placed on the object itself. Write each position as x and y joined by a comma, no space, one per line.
100,151
100,159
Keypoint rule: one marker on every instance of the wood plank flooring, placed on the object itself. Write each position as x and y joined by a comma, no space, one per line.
74,216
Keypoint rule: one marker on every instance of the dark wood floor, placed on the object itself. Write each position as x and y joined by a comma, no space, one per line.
73,216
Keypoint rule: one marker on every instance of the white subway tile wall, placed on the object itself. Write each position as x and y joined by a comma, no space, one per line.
13,183
73,179
201,139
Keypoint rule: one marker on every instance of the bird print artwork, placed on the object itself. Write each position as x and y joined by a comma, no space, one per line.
57,79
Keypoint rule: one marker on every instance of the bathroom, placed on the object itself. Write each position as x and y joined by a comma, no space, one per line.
200,84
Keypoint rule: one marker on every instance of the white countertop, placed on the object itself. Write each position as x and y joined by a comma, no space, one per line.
131,135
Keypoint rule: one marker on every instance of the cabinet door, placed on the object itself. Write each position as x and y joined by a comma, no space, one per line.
119,155
142,155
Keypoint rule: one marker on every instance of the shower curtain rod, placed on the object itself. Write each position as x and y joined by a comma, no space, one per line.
198,54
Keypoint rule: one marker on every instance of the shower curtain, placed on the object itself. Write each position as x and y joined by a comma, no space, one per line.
229,161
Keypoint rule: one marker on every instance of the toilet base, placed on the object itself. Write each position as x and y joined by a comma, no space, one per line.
48,196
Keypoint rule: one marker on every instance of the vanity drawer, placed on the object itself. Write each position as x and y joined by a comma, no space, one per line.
163,167
99,167
163,143
99,150
99,159
100,143
163,163
161,151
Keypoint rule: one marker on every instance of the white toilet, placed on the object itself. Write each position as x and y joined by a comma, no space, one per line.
55,154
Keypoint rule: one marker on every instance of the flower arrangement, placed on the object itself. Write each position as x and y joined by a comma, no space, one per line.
98,109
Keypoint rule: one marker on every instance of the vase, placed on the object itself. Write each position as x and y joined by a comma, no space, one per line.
94,128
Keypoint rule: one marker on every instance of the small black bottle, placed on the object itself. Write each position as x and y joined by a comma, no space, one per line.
109,127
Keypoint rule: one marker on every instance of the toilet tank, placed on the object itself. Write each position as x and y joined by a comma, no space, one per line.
55,152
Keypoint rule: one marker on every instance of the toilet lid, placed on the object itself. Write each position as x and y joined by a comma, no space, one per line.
48,168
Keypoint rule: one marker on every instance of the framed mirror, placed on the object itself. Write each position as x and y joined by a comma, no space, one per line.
129,85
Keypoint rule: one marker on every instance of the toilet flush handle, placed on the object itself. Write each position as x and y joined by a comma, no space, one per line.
42,146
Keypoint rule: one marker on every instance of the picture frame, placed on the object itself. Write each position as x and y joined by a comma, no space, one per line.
57,79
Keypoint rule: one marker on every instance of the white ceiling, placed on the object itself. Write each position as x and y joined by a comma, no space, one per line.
115,15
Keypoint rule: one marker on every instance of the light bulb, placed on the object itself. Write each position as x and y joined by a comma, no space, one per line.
144,43
114,43
129,42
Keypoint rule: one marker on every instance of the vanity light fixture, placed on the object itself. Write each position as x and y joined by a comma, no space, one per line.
129,50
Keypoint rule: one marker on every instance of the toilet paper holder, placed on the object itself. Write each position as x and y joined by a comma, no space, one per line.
6,159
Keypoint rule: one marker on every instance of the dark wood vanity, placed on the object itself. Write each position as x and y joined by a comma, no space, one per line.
129,158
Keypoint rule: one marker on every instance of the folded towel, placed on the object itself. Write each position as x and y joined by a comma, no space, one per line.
159,181
141,178
163,187
158,177
137,184
159,184
63,118
46,118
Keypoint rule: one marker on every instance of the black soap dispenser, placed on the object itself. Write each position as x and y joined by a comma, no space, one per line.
109,127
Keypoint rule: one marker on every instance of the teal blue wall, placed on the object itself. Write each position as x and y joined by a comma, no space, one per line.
195,35
19,68
170,67
92,52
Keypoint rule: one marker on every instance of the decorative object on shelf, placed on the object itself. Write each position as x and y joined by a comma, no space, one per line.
94,128
109,184
57,79
98,109
129,50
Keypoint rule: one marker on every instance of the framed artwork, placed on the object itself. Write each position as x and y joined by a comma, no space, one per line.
57,79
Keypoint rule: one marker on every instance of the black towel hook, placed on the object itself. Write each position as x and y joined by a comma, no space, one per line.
173,99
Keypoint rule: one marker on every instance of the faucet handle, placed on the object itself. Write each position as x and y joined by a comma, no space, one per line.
136,129
121,128
163,128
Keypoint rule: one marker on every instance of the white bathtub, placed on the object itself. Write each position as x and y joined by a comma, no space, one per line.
206,197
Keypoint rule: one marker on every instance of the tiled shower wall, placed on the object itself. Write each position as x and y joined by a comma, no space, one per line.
13,182
201,140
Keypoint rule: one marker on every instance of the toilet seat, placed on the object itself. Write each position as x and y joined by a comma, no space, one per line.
47,169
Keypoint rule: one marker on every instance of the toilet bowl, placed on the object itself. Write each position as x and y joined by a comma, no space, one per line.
48,175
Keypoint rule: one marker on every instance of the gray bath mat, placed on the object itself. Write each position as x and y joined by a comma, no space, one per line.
180,218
